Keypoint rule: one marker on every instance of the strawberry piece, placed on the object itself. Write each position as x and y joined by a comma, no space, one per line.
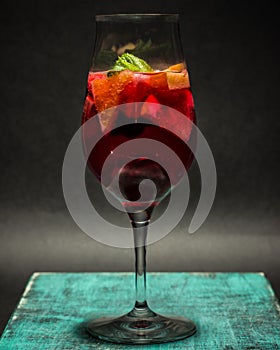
181,100
150,109
168,118
89,109
136,90
129,93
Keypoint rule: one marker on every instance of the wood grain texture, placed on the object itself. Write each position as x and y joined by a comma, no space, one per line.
232,311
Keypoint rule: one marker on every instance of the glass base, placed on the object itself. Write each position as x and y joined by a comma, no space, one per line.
147,328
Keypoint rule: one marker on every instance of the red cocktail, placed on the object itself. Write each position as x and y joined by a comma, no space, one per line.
140,115
152,121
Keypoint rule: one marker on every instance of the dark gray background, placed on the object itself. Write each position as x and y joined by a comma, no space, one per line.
232,52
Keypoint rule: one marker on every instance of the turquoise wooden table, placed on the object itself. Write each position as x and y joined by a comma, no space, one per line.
232,311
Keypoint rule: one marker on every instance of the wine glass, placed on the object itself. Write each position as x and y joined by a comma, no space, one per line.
137,82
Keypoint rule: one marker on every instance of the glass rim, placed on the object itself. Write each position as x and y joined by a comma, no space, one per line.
125,17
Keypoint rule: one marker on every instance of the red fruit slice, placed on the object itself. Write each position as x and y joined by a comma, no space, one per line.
150,109
129,93
89,109
169,118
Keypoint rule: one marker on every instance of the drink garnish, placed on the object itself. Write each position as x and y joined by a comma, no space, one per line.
177,77
177,80
133,80
179,67
132,63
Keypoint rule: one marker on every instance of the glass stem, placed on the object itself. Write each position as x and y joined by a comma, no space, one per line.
140,235
140,222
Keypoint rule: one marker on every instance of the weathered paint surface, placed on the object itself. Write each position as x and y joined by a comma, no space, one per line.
232,311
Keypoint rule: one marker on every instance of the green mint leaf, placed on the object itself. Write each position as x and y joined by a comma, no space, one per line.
131,62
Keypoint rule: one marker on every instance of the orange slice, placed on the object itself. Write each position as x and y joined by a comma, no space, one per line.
106,94
178,80
106,91
177,67
158,80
